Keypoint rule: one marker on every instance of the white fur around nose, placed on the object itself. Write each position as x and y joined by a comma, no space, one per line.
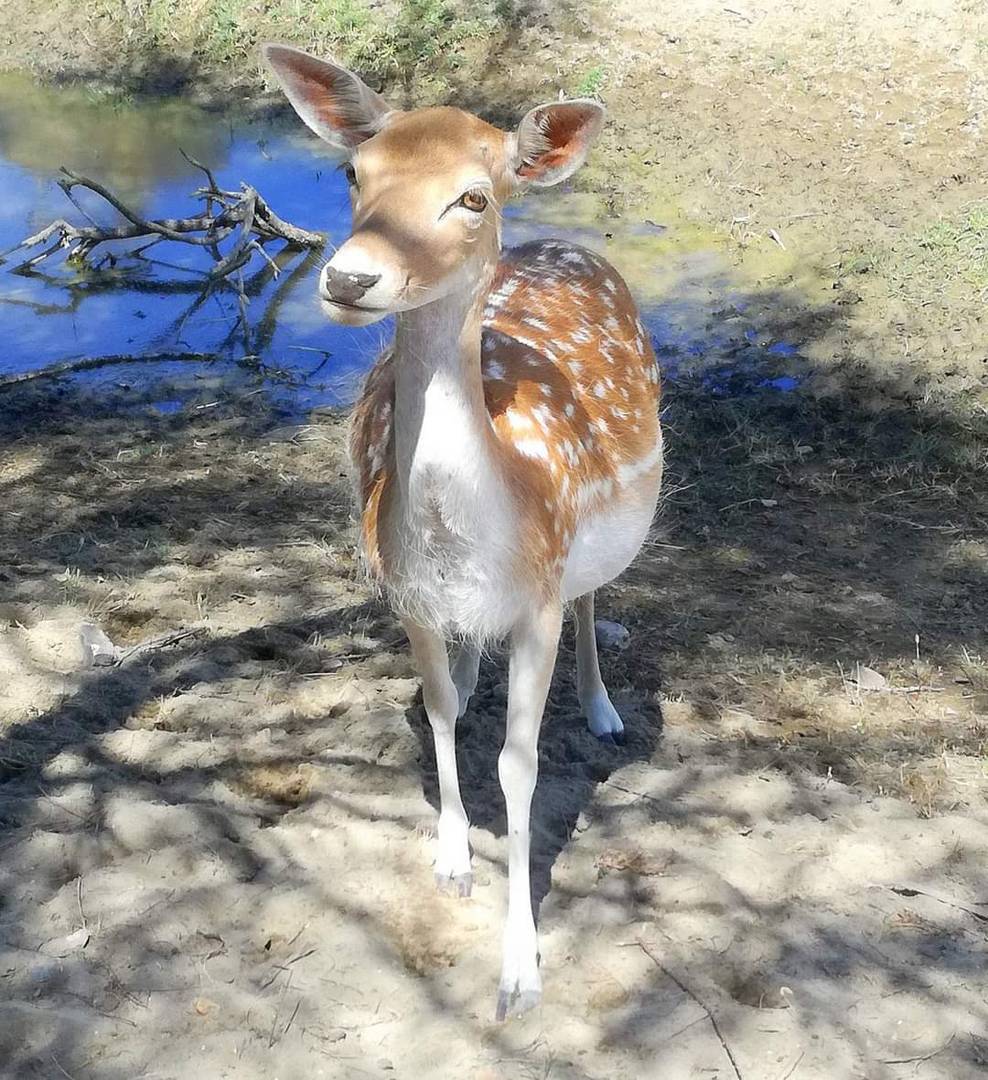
353,258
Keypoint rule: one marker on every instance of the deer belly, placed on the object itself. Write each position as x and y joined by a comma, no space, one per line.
607,542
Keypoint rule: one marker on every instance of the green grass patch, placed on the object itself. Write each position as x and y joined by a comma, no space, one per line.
590,85
948,257
399,41
958,246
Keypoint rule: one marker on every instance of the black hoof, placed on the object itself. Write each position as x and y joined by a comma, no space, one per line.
609,738
517,1003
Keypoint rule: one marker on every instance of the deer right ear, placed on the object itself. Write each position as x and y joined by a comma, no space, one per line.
331,101
553,140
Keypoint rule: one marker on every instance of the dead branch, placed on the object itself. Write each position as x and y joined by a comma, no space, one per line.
241,215
91,363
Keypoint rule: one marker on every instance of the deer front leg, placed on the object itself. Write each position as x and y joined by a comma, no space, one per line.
533,654
452,866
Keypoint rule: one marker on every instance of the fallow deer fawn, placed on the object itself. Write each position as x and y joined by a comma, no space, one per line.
507,446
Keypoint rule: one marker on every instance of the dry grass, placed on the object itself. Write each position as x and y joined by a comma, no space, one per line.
286,784
169,43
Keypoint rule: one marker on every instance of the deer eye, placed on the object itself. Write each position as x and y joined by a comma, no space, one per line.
350,174
474,200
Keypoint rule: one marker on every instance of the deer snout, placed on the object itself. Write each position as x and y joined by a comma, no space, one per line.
345,287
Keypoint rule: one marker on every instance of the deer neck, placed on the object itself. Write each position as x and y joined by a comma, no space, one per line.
444,445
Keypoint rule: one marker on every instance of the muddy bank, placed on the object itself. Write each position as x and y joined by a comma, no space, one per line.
848,141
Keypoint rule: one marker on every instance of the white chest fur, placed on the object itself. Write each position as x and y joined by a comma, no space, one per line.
455,518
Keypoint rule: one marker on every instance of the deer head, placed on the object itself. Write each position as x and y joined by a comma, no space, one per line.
426,185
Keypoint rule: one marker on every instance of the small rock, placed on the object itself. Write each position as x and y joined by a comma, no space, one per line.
97,649
612,635
65,946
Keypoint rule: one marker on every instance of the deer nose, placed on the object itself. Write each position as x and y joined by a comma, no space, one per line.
344,287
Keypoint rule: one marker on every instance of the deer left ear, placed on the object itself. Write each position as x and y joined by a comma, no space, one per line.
553,140
331,101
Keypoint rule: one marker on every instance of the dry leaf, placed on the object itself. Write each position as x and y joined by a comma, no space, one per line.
869,679
65,946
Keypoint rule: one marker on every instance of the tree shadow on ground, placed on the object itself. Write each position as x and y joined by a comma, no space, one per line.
799,528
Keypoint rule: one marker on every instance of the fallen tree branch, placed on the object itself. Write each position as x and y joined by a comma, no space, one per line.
243,215
99,651
912,890
90,363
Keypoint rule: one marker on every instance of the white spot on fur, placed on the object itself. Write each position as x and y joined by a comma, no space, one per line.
533,448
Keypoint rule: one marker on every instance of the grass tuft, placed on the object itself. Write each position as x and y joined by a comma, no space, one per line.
959,245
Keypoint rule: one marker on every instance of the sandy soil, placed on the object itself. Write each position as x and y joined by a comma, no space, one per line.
214,857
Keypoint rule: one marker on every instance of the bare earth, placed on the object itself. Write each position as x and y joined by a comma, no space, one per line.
214,857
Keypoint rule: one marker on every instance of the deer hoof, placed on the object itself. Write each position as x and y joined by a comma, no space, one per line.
456,885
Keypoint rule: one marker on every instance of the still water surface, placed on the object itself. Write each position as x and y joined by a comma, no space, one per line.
697,306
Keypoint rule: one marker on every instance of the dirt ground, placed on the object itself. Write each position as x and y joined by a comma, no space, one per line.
214,856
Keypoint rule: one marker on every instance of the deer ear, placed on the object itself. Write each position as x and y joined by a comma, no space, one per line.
553,140
331,101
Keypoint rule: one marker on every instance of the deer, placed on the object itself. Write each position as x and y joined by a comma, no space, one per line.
506,448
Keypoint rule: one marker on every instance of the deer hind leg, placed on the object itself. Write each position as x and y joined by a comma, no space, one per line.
533,655
601,716
452,866
466,669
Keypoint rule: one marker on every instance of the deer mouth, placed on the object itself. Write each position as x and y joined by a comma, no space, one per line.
333,302
350,314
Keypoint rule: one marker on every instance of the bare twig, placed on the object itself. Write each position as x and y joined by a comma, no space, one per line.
78,896
911,890
794,1065
690,994
55,1062
203,168
159,643
920,1057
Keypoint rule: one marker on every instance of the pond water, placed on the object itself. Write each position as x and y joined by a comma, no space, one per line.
704,316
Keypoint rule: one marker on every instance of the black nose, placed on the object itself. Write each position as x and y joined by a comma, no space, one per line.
344,287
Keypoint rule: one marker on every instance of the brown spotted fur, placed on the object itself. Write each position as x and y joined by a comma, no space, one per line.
567,365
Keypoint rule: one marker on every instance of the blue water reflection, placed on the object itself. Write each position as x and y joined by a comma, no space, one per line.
297,358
